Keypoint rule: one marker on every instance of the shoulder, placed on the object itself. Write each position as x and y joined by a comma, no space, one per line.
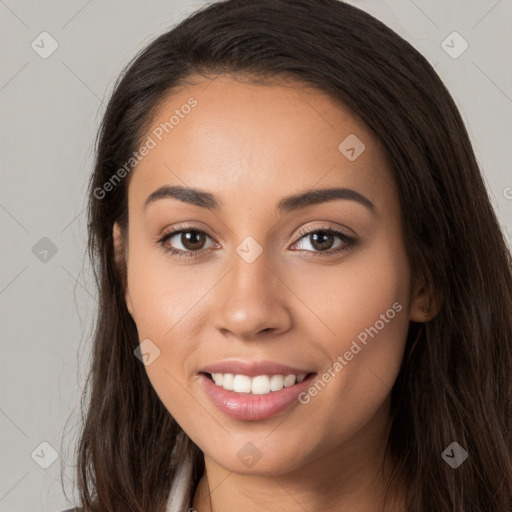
73,510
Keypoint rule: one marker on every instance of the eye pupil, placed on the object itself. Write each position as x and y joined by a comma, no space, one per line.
191,240
320,238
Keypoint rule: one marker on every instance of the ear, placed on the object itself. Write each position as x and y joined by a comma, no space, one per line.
425,302
120,260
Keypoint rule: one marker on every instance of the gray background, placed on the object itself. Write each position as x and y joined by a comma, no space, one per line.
50,110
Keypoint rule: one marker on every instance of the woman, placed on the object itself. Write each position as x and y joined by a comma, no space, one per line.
304,295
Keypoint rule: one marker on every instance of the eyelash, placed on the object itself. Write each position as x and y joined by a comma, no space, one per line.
349,241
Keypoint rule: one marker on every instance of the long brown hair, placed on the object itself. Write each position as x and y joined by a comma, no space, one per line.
455,381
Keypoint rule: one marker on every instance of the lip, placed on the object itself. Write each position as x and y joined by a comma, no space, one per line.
253,368
249,407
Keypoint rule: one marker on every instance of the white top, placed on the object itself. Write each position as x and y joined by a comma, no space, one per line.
178,494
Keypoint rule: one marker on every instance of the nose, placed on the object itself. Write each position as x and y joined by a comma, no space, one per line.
252,300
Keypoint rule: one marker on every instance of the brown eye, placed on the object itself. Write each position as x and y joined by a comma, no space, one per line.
323,241
192,240
185,242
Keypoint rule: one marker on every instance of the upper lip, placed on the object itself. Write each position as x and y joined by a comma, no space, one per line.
253,368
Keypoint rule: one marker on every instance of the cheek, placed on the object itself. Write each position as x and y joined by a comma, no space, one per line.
163,294
169,309
361,309
350,296
164,308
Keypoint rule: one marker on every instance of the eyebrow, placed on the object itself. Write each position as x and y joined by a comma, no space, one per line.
205,199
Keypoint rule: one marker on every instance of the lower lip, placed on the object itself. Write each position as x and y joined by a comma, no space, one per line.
249,407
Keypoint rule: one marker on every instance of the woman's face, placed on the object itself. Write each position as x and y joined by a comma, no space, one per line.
251,287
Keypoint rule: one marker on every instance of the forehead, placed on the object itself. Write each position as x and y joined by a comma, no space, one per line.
239,139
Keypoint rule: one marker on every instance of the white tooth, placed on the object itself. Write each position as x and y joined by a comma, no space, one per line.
289,380
260,385
227,381
242,384
217,378
276,382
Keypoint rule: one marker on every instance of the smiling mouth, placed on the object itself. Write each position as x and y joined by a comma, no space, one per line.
258,385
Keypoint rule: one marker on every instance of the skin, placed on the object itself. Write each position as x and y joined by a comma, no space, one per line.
251,145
